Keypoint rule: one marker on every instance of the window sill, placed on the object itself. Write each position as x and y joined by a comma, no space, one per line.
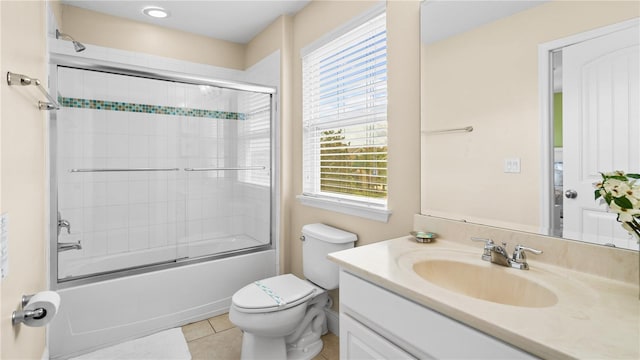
346,207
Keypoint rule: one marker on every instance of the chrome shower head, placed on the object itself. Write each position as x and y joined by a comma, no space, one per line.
76,45
79,47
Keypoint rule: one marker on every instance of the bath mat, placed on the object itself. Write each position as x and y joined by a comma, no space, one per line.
169,344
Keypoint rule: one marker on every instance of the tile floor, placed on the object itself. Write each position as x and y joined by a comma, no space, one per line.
217,338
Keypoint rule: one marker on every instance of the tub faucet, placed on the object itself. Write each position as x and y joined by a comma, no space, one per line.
69,246
498,254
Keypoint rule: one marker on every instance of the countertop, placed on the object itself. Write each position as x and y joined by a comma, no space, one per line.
594,317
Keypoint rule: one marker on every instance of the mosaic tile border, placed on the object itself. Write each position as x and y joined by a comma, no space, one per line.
146,108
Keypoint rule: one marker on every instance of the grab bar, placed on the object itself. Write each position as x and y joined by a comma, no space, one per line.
226,168
463,129
24,80
118,169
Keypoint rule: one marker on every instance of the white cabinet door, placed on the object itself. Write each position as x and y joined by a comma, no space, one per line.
357,342
601,108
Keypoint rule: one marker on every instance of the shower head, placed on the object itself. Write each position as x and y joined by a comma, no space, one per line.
79,47
76,45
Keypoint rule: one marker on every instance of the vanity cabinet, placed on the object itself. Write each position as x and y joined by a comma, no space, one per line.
359,342
376,323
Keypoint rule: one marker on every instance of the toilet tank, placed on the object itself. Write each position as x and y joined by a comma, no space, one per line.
319,241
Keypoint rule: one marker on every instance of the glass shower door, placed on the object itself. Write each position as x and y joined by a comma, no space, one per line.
228,174
152,171
117,173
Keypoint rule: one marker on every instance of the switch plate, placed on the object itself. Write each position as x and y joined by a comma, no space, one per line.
512,165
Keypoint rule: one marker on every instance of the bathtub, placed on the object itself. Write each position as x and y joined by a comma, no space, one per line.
105,313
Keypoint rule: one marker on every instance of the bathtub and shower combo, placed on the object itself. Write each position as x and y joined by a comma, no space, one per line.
163,198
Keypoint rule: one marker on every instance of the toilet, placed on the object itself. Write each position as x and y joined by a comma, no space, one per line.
282,317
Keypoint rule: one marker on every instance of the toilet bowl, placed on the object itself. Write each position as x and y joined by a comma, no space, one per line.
286,326
283,317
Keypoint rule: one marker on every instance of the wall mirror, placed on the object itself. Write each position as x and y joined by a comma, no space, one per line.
498,144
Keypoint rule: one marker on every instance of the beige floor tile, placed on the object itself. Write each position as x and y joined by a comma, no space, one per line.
221,322
225,342
331,348
225,345
197,330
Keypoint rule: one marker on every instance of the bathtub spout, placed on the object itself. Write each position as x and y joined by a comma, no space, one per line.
69,246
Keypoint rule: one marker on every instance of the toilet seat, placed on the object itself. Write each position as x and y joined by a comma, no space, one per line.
273,294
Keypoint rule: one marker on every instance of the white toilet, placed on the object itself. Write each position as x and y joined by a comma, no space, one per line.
283,317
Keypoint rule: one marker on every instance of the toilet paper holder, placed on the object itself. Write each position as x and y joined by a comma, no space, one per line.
20,316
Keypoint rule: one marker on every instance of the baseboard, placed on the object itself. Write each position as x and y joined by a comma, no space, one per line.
333,321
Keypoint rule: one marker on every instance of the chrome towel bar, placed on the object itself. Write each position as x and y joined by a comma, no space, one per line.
19,79
121,169
227,168
170,169
444,131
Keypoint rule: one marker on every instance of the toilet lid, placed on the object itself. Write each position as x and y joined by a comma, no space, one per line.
272,294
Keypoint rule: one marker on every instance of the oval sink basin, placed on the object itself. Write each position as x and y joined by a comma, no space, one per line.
490,283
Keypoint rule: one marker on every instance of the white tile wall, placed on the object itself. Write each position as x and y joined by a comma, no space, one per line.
117,241
125,212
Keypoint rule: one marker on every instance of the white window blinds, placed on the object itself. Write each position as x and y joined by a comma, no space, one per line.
345,116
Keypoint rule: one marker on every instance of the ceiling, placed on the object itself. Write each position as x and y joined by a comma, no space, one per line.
232,20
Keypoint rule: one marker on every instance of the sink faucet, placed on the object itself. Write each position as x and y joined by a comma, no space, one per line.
498,254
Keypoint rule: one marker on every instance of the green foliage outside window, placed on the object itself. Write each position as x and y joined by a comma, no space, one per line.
356,171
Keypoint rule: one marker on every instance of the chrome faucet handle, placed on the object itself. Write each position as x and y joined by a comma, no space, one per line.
519,258
485,240
64,224
488,246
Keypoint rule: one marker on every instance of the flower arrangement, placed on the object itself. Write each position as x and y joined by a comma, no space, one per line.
621,192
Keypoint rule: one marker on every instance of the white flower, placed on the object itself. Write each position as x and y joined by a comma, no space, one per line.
633,192
622,193
616,187
624,215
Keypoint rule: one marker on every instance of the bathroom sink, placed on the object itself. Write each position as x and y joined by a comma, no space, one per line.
487,282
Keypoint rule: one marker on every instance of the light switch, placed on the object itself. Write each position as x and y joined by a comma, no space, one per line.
512,165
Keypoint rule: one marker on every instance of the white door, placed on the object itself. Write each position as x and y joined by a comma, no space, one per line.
601,128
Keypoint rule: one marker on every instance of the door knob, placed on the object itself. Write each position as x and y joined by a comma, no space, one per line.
571,194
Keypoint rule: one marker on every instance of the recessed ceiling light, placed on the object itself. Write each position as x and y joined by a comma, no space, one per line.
155,12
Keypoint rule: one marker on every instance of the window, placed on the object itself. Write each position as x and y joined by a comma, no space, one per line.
345,118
